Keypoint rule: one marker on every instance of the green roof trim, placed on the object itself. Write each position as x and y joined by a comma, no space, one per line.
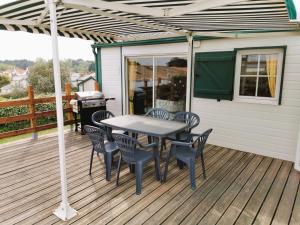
291,9
150,41
180,39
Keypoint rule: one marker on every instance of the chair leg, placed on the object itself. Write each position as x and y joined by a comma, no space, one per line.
91,162
138,178
203,165
192,174
171,153
180,164
118,170
108,165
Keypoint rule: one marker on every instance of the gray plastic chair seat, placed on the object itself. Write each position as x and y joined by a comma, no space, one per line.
184,154
142,156
110,146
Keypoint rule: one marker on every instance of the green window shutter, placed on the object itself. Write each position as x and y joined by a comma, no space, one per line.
214,75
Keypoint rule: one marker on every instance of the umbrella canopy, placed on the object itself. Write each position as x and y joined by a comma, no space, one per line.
108,21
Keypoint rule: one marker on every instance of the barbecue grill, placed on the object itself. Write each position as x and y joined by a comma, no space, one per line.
84,105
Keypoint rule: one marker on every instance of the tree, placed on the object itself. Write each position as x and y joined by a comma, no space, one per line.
4,80
41,76
92,67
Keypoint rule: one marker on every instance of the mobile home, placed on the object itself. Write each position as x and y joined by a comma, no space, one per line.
247,89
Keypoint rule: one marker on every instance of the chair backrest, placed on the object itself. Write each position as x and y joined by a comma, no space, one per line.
191,119
201,140
97,137
158,113
101,115
127,146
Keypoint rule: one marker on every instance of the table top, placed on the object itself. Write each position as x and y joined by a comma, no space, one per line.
145,125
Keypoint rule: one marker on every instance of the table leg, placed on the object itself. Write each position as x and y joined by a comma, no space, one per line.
157,159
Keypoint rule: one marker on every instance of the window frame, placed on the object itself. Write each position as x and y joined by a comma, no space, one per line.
256,99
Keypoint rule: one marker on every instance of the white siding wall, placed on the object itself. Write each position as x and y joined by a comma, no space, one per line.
111,78
262,129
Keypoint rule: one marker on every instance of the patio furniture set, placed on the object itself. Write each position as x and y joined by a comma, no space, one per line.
119,135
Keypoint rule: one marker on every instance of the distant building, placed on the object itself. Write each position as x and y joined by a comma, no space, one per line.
74,79
87,83
18,80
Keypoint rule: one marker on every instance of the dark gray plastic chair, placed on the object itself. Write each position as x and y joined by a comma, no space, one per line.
158,113
191,119
132,155
187,152
100,145
100,115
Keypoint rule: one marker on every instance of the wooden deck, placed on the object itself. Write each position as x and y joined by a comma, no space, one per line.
240,188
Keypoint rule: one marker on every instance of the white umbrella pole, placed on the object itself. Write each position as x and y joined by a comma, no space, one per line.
64,211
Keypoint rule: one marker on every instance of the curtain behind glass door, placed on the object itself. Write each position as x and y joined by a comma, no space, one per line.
140,84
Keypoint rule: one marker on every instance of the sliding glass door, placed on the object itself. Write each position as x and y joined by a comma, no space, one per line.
157,81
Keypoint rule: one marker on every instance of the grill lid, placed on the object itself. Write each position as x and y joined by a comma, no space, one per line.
82,95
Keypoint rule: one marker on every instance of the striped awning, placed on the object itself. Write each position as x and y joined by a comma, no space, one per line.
139,19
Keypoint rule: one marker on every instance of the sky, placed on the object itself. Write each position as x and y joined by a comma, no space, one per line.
22,45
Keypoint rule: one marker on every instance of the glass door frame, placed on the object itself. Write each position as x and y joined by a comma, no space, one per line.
153,56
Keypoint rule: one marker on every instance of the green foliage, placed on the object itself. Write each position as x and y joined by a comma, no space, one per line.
80,66
22,110
16,93
14,111
41,76
92,67
4,80
5,67
22,63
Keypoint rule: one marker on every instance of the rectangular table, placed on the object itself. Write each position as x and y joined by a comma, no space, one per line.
150,126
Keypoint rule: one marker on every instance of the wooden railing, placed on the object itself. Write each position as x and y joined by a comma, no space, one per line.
33,115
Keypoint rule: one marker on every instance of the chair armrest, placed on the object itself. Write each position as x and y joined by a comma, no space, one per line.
151,145
180,143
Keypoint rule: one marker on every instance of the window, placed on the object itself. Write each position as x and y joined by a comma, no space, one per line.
258,75
156,81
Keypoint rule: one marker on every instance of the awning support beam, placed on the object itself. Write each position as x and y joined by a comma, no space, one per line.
64,211
155,25
200,5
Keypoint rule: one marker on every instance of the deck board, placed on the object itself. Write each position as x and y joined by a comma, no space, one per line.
241,188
